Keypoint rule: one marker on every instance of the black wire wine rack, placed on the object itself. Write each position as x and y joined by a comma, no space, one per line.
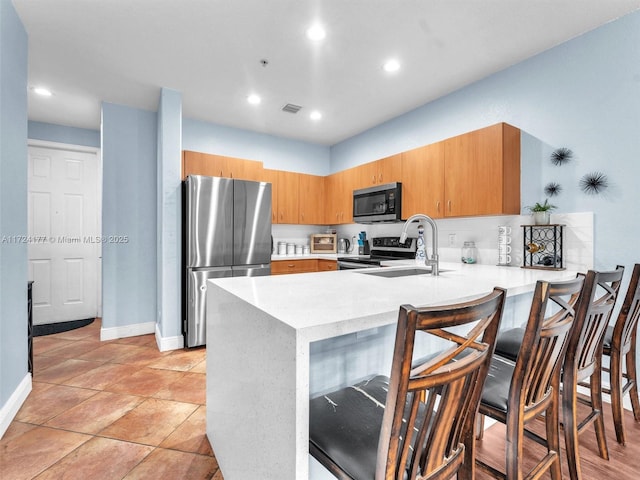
543,246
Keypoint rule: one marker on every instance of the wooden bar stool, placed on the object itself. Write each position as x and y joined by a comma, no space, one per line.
583,362
517,392
380,428
620,346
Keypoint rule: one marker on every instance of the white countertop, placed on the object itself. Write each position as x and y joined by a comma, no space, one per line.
327,304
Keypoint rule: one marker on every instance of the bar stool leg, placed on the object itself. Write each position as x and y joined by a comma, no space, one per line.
596,401
616,379
570,425
552,422
632,377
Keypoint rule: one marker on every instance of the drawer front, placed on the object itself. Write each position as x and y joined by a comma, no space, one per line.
327,265
280,267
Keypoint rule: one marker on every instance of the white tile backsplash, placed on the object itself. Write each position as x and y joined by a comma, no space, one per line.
578,237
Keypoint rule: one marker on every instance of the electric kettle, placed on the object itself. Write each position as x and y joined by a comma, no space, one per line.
343,245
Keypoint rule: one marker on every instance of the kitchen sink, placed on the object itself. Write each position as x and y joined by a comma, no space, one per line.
399,272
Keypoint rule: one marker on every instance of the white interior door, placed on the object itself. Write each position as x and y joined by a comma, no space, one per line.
64,233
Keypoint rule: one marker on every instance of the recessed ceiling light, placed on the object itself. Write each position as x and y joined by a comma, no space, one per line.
391,65
254,99
45,92
316,33
315,115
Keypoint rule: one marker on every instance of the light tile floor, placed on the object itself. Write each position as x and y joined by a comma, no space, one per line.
110,410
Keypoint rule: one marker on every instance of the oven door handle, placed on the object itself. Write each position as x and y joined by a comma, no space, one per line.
346,265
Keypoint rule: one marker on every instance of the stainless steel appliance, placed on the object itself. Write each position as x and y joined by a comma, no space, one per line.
382,248
380,203
226,233
343,245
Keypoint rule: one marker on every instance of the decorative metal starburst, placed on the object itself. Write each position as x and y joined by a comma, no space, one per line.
561,156
594,183
552,189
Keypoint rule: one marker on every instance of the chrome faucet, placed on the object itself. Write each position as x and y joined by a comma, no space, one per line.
433,261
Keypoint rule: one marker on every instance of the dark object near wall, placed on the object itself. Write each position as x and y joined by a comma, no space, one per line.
51,328
594,183
552,189
30,326
561,156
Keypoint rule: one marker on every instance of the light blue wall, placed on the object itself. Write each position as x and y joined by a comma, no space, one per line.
13,202
129,157
275,152
169,213
63,134
583,95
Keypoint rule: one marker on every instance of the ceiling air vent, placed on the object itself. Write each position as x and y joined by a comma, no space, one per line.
291,108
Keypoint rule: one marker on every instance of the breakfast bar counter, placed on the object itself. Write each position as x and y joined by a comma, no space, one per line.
272,342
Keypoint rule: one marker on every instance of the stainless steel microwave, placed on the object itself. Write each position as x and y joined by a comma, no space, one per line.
380,203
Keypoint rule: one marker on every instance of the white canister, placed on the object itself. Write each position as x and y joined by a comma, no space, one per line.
282,248
298,249
291,248
306,250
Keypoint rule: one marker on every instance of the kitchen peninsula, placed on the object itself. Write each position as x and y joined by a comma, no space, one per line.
272,342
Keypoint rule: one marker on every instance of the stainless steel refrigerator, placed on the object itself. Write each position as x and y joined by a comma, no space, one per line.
226,233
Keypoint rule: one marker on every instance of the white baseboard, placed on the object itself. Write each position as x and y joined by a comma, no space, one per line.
168,343
113,333
17,398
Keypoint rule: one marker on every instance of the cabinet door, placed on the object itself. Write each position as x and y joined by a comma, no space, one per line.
385,170
389,169
271,176
197,163
482,176
243,169
312,199
364,175
423,181
288,197
339,194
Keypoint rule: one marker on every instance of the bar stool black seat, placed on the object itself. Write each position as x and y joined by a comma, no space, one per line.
419,422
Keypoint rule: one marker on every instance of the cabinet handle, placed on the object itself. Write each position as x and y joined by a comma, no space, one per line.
302,216
449,203
438,206
380,179
373,179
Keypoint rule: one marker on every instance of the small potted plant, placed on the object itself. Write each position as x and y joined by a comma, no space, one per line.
541,212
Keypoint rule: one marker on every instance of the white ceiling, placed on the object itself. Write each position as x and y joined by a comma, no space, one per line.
124,51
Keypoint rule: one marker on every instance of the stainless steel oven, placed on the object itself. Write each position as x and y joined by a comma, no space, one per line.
383,248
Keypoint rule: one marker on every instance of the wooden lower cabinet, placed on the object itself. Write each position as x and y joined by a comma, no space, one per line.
327,265
282,267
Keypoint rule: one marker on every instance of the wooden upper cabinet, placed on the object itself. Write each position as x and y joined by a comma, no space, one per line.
271,176
477,173
389,169
423,181
482,172
287,197
339,196
385,170
312,199
198,163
